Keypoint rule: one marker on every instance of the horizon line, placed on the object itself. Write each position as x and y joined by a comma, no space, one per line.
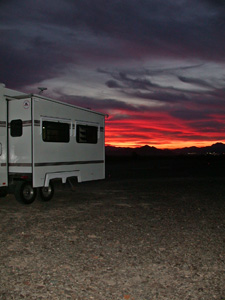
136,147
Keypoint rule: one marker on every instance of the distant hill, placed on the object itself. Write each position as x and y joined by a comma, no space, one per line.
215,149
142,151
218,148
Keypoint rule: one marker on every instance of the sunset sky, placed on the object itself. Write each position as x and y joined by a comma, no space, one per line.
156,67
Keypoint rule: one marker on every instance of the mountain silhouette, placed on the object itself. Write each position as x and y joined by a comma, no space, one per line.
215,149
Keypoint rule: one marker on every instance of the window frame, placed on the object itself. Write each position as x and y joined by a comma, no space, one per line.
18,132
90,125
61,138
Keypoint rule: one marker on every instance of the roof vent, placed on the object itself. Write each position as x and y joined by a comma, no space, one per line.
41,90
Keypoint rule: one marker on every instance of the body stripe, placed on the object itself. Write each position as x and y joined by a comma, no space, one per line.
44,164
36,123
67,163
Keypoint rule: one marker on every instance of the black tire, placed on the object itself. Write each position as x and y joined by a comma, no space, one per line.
25,193
46,193
3,192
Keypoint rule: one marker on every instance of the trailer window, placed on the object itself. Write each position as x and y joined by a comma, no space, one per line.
55,132
16,128
87,134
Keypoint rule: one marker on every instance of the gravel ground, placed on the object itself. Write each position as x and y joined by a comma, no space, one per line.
137,239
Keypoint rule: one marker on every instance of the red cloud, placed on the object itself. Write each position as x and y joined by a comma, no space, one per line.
161,130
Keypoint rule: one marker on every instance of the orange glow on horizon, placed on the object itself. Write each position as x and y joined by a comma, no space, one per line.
169,145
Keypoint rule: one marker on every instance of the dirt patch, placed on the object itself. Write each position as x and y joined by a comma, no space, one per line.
117,239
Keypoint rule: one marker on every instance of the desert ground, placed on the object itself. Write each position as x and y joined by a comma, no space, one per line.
153,229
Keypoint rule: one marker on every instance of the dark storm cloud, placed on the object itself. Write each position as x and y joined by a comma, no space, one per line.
218,94
205,125
196,92
162,96
136,80
213,99
26,55
104,105
172,70
50,33
156,27
187,114
195,81
113,84
26,66
185,105
219,3
140,83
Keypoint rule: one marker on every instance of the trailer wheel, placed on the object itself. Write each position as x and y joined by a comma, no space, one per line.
46,193
25,193
3,192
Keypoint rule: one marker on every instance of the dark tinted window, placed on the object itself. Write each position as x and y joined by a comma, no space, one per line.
55,132
87,134
16,128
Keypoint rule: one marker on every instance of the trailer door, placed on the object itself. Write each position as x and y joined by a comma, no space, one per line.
3,142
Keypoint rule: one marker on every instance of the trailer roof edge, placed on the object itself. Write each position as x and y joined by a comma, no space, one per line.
26,96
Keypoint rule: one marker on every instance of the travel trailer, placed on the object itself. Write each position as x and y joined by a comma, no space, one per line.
42,139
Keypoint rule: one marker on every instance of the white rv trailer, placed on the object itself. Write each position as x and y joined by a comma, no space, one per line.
43,139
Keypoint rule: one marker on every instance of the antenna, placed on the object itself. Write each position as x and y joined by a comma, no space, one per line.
41,90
